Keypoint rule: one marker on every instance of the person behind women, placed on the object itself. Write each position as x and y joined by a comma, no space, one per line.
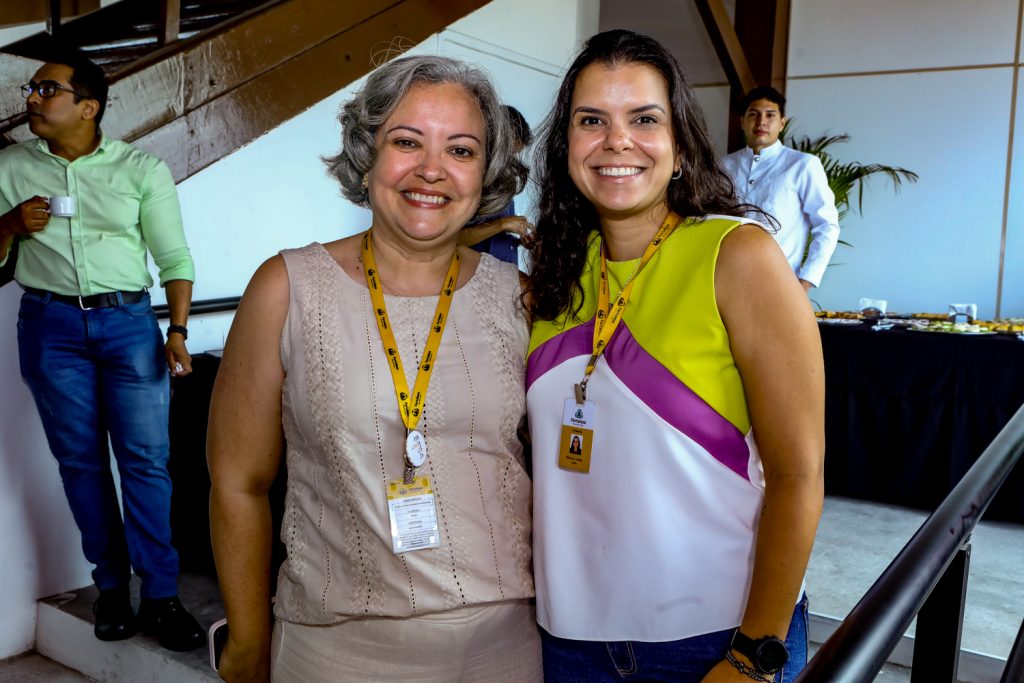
407,516
677,550
501,233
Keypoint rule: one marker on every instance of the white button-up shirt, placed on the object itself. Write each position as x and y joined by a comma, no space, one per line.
792,187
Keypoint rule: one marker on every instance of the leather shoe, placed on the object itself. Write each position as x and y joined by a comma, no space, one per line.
173,627
115,619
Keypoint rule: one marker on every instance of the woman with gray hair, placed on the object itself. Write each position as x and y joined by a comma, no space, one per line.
392,364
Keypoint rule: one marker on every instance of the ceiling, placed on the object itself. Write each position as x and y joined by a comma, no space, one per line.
677,25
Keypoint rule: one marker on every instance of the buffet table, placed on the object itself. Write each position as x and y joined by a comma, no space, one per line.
908,412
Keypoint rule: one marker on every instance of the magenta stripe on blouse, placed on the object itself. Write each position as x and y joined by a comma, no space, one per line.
654,385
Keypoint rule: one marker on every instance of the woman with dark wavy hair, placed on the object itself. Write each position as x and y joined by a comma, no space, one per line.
391,363
672,339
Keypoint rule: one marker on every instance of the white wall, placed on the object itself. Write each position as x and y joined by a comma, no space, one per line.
269,195
41,545
941,107
922,84
10,34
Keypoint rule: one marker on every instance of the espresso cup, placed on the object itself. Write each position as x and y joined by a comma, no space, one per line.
62,207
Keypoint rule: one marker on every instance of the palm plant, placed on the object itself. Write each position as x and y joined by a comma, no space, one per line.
845,178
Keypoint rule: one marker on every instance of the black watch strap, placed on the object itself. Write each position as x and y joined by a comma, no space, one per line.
767,654
180,329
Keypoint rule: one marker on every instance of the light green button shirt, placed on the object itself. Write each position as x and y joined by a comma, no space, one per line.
126,204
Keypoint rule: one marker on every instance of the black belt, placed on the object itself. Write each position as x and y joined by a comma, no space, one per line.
104,300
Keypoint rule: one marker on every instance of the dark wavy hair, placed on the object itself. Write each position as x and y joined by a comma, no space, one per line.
566,218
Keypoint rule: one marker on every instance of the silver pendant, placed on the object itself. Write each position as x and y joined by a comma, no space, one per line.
415,448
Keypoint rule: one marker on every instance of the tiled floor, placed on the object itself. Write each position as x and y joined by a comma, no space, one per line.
855,542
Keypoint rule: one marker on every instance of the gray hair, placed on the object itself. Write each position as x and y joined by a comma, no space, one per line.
364,114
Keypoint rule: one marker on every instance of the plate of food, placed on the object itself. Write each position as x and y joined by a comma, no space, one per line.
840,321
945,327
831,316
1004,325
900,322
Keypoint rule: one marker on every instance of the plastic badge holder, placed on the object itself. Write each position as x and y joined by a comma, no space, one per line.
218,638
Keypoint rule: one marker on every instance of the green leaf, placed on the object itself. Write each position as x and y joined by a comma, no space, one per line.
846,179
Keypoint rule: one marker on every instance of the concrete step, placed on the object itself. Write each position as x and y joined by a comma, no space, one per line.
32,667
64,634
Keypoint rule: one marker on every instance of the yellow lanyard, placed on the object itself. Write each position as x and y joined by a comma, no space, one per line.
410,407
610,315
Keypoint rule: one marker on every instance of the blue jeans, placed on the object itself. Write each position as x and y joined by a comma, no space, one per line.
97,373
680,661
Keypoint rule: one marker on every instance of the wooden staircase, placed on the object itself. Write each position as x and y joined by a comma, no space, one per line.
238,68
126,32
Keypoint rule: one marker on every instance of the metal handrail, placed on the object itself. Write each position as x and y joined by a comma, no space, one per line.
869,634
1014,671
228,303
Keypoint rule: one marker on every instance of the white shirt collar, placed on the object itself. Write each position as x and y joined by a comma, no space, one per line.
771,150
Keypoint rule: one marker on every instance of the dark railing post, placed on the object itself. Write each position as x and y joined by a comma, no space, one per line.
53,21
940,624
169,21
873,628
1014,671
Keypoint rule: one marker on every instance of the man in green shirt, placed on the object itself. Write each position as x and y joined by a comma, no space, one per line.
89,344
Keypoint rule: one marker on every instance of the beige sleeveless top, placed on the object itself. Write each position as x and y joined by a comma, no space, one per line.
346,439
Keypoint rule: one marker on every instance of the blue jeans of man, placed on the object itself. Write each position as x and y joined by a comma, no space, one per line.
96,374
679,661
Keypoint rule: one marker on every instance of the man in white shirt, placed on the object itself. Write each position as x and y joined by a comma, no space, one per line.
789,185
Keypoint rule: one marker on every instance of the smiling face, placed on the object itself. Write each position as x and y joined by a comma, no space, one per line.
621,149
58,117
762,124
427,177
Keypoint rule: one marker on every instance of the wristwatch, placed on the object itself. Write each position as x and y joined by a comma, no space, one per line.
768,654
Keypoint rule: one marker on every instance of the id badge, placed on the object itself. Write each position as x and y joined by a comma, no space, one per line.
413,513
577,435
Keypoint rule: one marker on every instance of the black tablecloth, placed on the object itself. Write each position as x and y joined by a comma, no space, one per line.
907,412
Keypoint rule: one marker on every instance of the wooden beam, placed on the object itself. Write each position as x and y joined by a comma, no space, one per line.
726,43
169,21
219,126
766,52
219,120
206,97
780,50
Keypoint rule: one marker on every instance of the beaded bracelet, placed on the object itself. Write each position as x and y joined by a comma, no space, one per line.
748,671
180,329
